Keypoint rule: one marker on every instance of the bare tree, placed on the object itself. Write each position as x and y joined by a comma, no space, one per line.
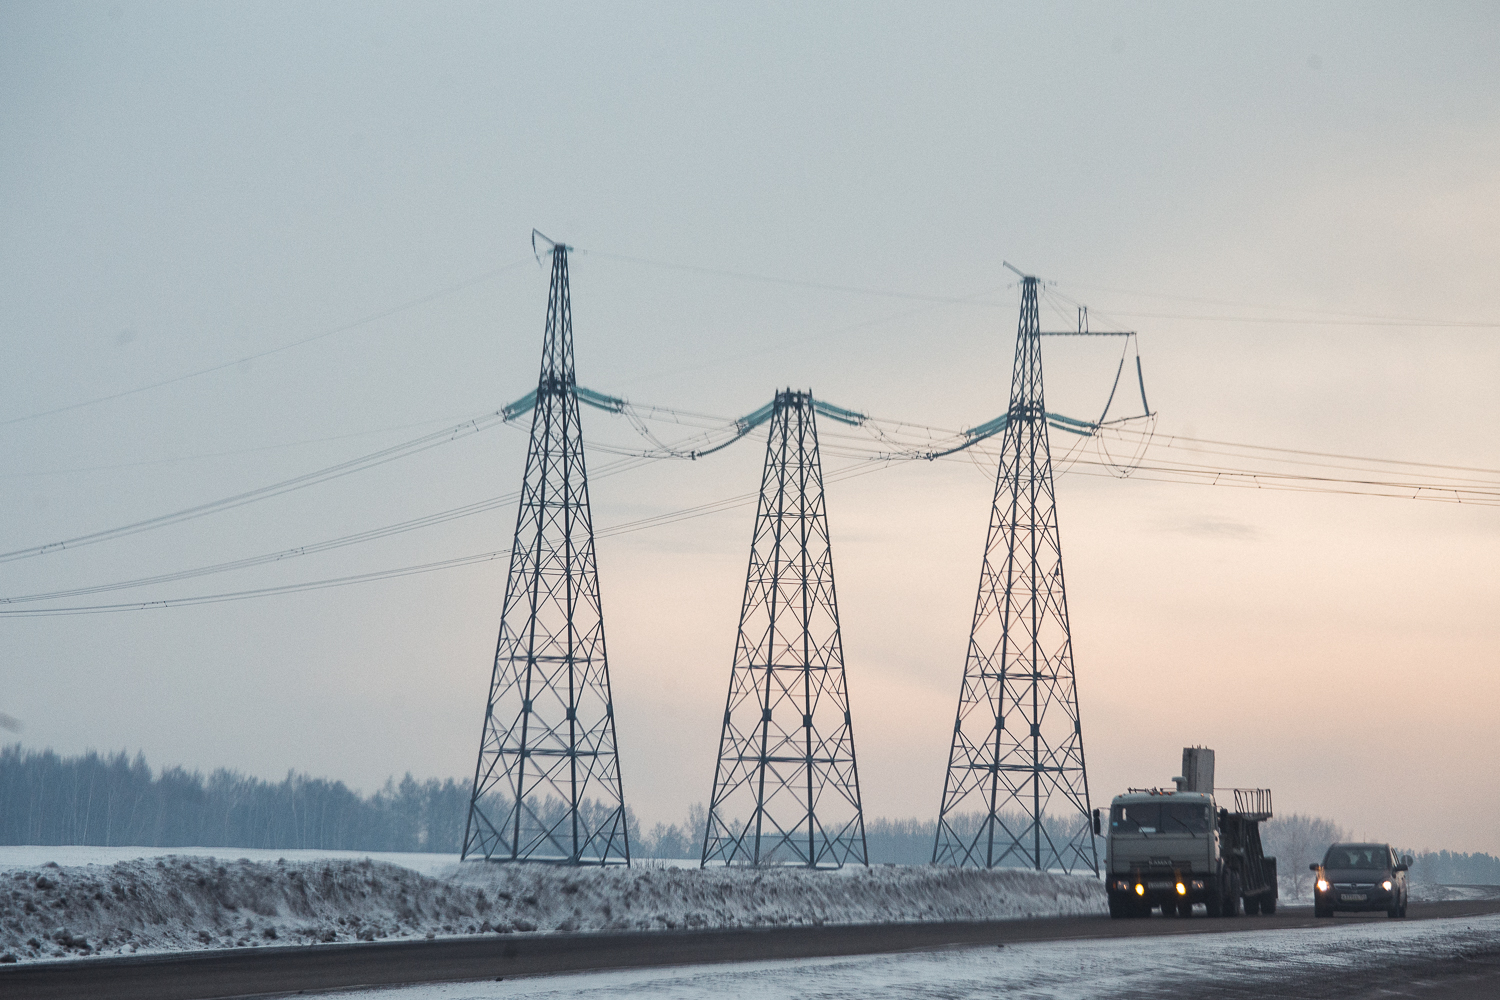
1297,841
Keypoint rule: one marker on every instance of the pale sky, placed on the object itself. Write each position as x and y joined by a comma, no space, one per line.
1295,205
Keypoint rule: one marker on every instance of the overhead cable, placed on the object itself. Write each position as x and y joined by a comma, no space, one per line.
283,555
641,524
353,324
426,441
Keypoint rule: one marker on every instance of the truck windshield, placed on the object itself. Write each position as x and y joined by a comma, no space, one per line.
1357,856
1159,817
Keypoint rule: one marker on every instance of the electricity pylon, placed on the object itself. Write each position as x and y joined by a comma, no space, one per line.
786,788
1016,793
547,782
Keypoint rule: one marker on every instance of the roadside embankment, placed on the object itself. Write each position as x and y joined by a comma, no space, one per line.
179,903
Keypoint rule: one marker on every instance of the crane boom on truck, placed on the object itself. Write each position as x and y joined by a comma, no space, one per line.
1176,848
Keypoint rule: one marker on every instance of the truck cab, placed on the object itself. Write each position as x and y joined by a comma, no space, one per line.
1173,849
1162,849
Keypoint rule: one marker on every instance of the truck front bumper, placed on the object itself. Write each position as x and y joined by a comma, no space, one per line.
1154,890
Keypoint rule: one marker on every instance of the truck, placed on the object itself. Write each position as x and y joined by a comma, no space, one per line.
1177,848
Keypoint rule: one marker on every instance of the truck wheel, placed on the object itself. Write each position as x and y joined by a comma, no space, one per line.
1215,900
1252,905
1268,905
1232,901
1322,911
1184,908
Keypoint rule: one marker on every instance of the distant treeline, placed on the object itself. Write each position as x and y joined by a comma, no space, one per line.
1449,868
116,800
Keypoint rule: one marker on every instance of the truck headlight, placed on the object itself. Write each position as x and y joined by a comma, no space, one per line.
1322,885
1386,885
1140,890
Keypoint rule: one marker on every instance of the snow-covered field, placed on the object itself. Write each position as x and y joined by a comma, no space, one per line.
1266,963
195,901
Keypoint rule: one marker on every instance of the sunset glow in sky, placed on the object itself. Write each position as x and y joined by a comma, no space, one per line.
1295,205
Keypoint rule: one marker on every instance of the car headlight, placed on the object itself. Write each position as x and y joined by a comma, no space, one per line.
1322,885
1386,885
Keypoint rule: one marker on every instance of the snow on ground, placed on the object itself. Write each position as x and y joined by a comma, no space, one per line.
1420,892
178,903
656,898
186,902
1427,892
1188,965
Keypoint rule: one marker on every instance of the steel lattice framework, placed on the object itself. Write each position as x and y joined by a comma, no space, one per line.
547,782
786,788
1016,792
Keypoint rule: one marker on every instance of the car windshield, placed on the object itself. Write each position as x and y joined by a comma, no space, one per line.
1357,856
1159,817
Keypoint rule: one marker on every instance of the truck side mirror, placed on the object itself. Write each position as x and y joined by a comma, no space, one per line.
1313,867
1096,822
1401,868
1406,861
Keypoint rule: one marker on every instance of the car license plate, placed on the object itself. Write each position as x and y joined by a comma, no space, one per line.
1352,897
1158,885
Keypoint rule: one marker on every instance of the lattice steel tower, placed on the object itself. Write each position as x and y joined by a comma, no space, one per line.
1016,792
547,782
786,788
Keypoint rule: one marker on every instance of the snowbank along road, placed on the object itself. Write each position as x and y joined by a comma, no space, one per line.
1286,956
182,903
193,926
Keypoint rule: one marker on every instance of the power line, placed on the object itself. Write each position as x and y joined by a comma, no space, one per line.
1352,319
1278,320
239,595
1170,439
637,414
640,524
912,441
1242,305
794,282
480,423
283,555
353,324
223,454
865,464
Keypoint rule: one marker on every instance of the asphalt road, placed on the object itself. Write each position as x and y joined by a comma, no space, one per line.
286,970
